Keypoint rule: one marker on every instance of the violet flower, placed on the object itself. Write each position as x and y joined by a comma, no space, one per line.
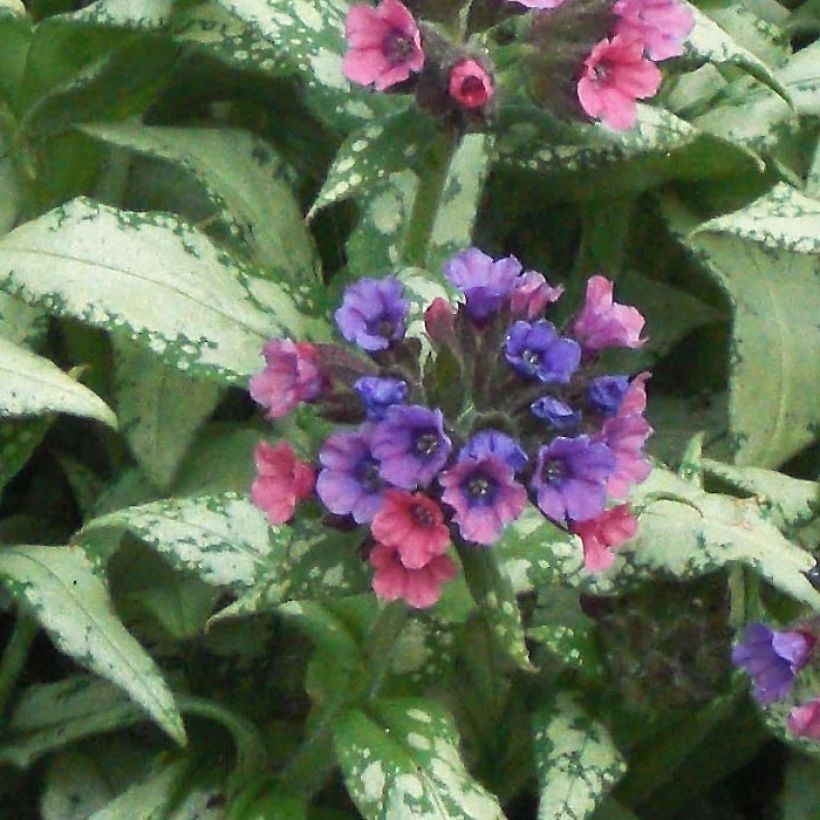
495,443
536,351
559,416
379,393
606,393
486,282
373,313
532,293
411,445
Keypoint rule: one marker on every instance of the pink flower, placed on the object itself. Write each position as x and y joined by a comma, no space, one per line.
611,529
420,587
662,25
470,84
439,321
532,293
291,376
615,75
605,323
634,402
539,4
804,721
384,45
625,436
413,524
281,481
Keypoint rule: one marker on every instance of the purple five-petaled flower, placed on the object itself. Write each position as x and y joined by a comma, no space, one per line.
411,445
484,495
378,393
349,482
536,351
772,659
486,283
491,442
570,478
373,313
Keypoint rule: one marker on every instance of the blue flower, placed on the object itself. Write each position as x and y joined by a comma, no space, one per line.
379,393
373,313
606,393
494,443
558,415
487,283
536,351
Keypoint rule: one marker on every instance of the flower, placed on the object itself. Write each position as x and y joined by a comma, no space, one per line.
532,293
606,393
384,45
600,535
349,483
662,25
605,323
470,85
485,497
570,478
557,414
772,659
379,393
373,313
538,4
625,436
616,74
411,445
291,376
413,524
536,351
439,321
491,442
486,282
634,402
421,587
281,481
804,720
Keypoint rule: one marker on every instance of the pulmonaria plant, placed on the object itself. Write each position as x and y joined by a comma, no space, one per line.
510,408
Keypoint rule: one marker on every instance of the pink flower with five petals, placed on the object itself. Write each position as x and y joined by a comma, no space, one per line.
421,587
281,481
662,25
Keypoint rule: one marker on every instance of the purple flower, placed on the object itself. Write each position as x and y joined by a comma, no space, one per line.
606,393
379,393
349,482
570,478
536,351
606,323
486,282
532,293
485,497
495,443
411,445
373,313
558,415
772,659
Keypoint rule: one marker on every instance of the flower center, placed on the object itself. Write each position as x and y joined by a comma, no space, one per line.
554,471
480,489
427,444
368,475
381,327
531,357
601,72
423,515
397,47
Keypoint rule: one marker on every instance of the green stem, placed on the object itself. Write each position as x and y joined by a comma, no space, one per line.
381,642
432,179
15,654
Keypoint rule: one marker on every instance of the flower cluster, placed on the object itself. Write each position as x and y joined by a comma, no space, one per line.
606,49
509,407
774,661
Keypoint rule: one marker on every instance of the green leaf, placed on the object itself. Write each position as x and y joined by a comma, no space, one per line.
765,258
112,269
131,14
75,788
243,178
801,789
21,324
32,385
160,410
576,760
51,715
72,604
18,440
402,760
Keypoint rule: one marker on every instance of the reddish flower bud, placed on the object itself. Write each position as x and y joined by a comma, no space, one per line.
470,84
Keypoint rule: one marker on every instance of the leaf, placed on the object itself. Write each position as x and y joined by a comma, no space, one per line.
19,438
21,324
576,760
75,788
72,604
148,798
51,715
112,268
31,385
160,410
765,258
145,14
222,539
801,789
243,177
402,760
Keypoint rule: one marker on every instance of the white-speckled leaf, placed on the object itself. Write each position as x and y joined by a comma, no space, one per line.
708,42
160,409
131,14
74,788
155,279
48,716
373,152
31,385
765,257
18,440
576,760
223,539
310,34
245,181
71,603
401,760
